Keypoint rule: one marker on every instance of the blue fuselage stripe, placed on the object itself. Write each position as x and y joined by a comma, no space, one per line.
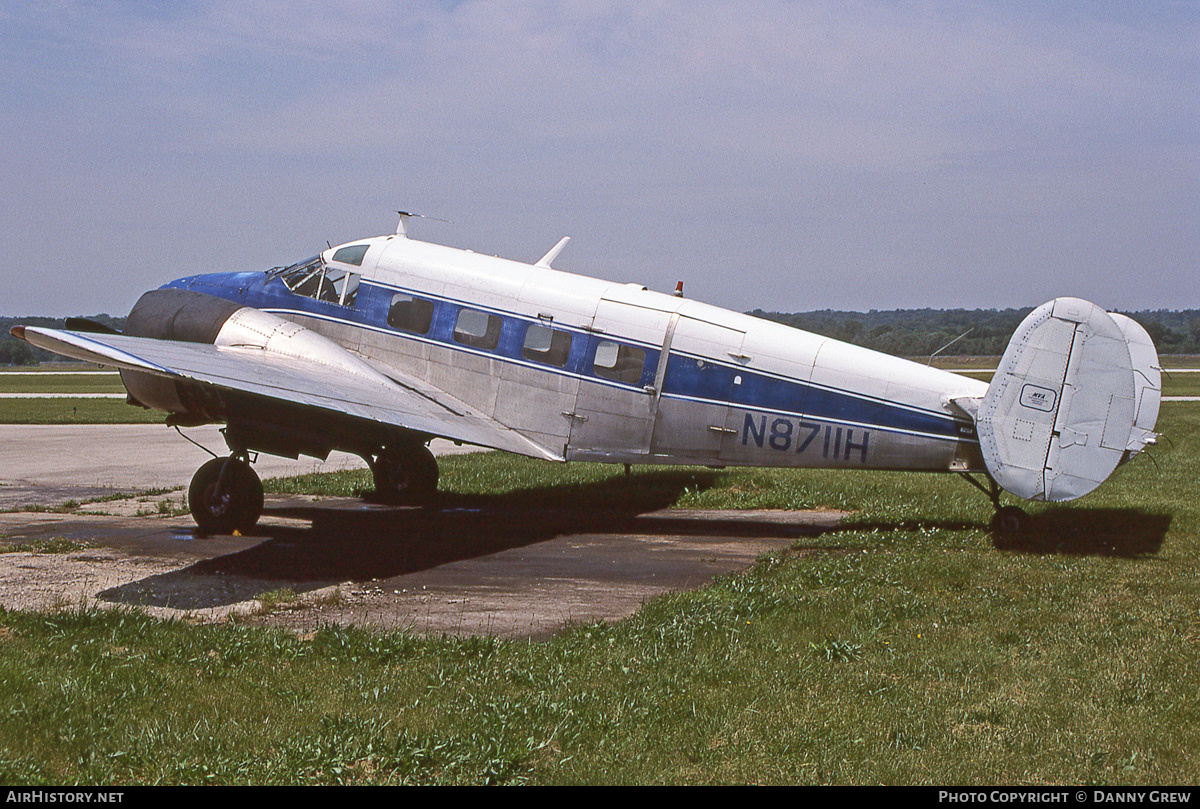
687,377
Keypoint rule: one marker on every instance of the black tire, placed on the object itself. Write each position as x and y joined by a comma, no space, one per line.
1009,522
405,475
236,508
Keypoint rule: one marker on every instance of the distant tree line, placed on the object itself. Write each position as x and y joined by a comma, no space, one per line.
904,332
920,332
18,352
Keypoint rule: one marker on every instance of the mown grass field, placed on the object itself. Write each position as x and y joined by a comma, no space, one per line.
908,647
1177,384
64,409
47,382
75,411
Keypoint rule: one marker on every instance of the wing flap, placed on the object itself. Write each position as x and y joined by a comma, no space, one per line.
395,399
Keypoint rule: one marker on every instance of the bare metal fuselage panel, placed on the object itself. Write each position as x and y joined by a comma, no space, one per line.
443,342
633,376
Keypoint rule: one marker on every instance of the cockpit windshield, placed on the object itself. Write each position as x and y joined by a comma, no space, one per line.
313,279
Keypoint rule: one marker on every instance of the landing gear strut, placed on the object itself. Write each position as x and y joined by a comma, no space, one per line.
1008,521
405,474
225,496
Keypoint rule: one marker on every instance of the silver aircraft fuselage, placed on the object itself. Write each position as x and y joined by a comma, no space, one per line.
601,371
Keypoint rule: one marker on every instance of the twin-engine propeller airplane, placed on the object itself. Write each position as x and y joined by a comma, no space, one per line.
379,345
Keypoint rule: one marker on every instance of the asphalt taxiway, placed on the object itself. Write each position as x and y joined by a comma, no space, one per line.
470,568
471,565
44,465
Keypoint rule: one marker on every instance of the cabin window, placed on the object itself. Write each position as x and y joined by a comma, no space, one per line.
477,329
620,363
410,314
352,254
546,345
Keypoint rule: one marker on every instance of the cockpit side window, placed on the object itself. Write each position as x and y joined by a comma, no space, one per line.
340,286
313,279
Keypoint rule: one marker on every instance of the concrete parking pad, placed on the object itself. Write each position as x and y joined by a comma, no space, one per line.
454,571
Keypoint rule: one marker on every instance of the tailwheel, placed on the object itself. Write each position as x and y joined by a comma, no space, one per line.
1010,522
405,474
225,496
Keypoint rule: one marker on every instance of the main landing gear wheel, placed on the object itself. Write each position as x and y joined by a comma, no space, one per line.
225,496
405,475
1010,522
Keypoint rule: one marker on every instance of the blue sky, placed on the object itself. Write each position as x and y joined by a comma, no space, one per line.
788,156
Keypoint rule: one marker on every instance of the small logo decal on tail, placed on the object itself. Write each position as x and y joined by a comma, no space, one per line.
1038,398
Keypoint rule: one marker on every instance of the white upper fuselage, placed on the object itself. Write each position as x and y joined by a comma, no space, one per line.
597,370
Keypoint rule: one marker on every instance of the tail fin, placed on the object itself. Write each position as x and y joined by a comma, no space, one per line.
1076,393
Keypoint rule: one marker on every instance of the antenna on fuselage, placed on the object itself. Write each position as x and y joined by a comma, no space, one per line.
402,226
545,260
947,345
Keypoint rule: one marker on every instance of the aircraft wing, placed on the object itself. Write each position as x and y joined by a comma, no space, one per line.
334,381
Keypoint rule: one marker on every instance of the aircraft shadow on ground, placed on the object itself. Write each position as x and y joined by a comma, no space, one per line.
379,543
1122,533
362,545
1126,533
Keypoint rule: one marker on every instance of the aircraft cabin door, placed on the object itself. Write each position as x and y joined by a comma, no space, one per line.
614,413
703,366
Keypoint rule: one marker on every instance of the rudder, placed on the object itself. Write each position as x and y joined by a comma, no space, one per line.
1075,390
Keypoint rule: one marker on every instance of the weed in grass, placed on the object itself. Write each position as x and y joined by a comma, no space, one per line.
275,599
834,650
72,505
49,545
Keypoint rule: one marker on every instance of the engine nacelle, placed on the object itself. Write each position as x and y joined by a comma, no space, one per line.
186,316
253,424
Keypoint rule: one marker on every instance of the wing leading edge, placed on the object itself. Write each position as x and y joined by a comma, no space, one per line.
333,380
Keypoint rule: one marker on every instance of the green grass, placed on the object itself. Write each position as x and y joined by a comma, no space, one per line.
1180,360
50,545
1181,385
1186,384
69,410
906,648
61,383
75,411
52,368
954,363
